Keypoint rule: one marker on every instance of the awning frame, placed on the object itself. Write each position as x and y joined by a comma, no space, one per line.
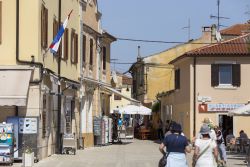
108,87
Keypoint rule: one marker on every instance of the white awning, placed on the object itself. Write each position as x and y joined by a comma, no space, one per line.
14,86
132,109
245,110
110,89
120,94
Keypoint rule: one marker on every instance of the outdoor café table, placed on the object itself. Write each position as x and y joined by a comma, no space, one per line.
144,134
242,144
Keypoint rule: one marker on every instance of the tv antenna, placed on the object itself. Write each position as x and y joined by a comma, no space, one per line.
189,28
218,17
113,61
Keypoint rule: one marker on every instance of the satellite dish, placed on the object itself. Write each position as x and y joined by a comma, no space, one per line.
114,77
218,36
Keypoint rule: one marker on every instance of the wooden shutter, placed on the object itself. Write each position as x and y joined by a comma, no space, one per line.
104,54
214,75
0,22
60,45
84,49
177,79
66,44
44,27
236,75
91,52
54,28
76,48
72,46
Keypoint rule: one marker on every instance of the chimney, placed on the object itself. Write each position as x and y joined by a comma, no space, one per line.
139,54
209,33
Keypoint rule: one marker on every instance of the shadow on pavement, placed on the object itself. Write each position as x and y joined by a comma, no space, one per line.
121,143
158,141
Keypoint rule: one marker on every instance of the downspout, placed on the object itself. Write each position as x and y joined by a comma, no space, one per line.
194,97
81,80
17,49
59,136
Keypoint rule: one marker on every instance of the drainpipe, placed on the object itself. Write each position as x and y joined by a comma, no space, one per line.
17,49
194,97
81,80
59,100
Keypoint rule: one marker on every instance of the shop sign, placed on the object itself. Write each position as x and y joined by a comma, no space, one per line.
223,107
204,98
202,107
28,125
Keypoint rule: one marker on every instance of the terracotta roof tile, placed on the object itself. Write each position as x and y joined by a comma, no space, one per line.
239,46
126,80
238,29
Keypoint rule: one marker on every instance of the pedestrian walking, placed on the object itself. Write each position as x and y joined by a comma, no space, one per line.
206,152
160,129
221,144
176,147
212,133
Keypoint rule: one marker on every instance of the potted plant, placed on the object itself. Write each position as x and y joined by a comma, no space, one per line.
28,157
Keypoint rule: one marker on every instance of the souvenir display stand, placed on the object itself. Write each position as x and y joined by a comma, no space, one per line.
6,143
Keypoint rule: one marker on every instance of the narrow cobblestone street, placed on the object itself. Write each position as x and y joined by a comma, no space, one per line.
132,153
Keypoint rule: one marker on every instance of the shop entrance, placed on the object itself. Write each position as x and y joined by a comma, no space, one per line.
226,123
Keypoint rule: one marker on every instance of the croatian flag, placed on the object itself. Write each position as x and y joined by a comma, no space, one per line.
56,41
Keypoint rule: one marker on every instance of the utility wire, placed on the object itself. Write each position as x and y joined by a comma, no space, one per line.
178,42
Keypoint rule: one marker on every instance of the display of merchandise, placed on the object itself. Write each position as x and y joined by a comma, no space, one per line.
6,143
110,129
97,131
106,129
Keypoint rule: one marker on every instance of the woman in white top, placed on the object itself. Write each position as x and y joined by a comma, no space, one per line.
206,153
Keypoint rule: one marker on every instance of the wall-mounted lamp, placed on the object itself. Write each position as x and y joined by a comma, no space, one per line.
127,89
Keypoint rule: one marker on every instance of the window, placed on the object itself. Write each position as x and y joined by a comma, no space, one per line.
225,74
84,49
65,44
141,76
91,52
44,26
74,47
134,86
116,97
69,114
104,58
177,79
55,30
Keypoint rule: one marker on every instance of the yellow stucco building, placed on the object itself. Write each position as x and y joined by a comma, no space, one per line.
211,81
122,84
153,74
62,91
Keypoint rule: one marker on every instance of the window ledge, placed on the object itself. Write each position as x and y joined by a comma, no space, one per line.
226,87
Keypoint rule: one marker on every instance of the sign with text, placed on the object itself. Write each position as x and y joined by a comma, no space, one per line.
223,107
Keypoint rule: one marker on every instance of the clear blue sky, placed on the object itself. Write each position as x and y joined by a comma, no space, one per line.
162,20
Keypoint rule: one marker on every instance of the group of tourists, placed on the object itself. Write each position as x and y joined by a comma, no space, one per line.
209,146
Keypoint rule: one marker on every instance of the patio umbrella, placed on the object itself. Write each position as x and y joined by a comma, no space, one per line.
133,109
245,110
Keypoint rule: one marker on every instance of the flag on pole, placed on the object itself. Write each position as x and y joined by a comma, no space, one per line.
57,39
